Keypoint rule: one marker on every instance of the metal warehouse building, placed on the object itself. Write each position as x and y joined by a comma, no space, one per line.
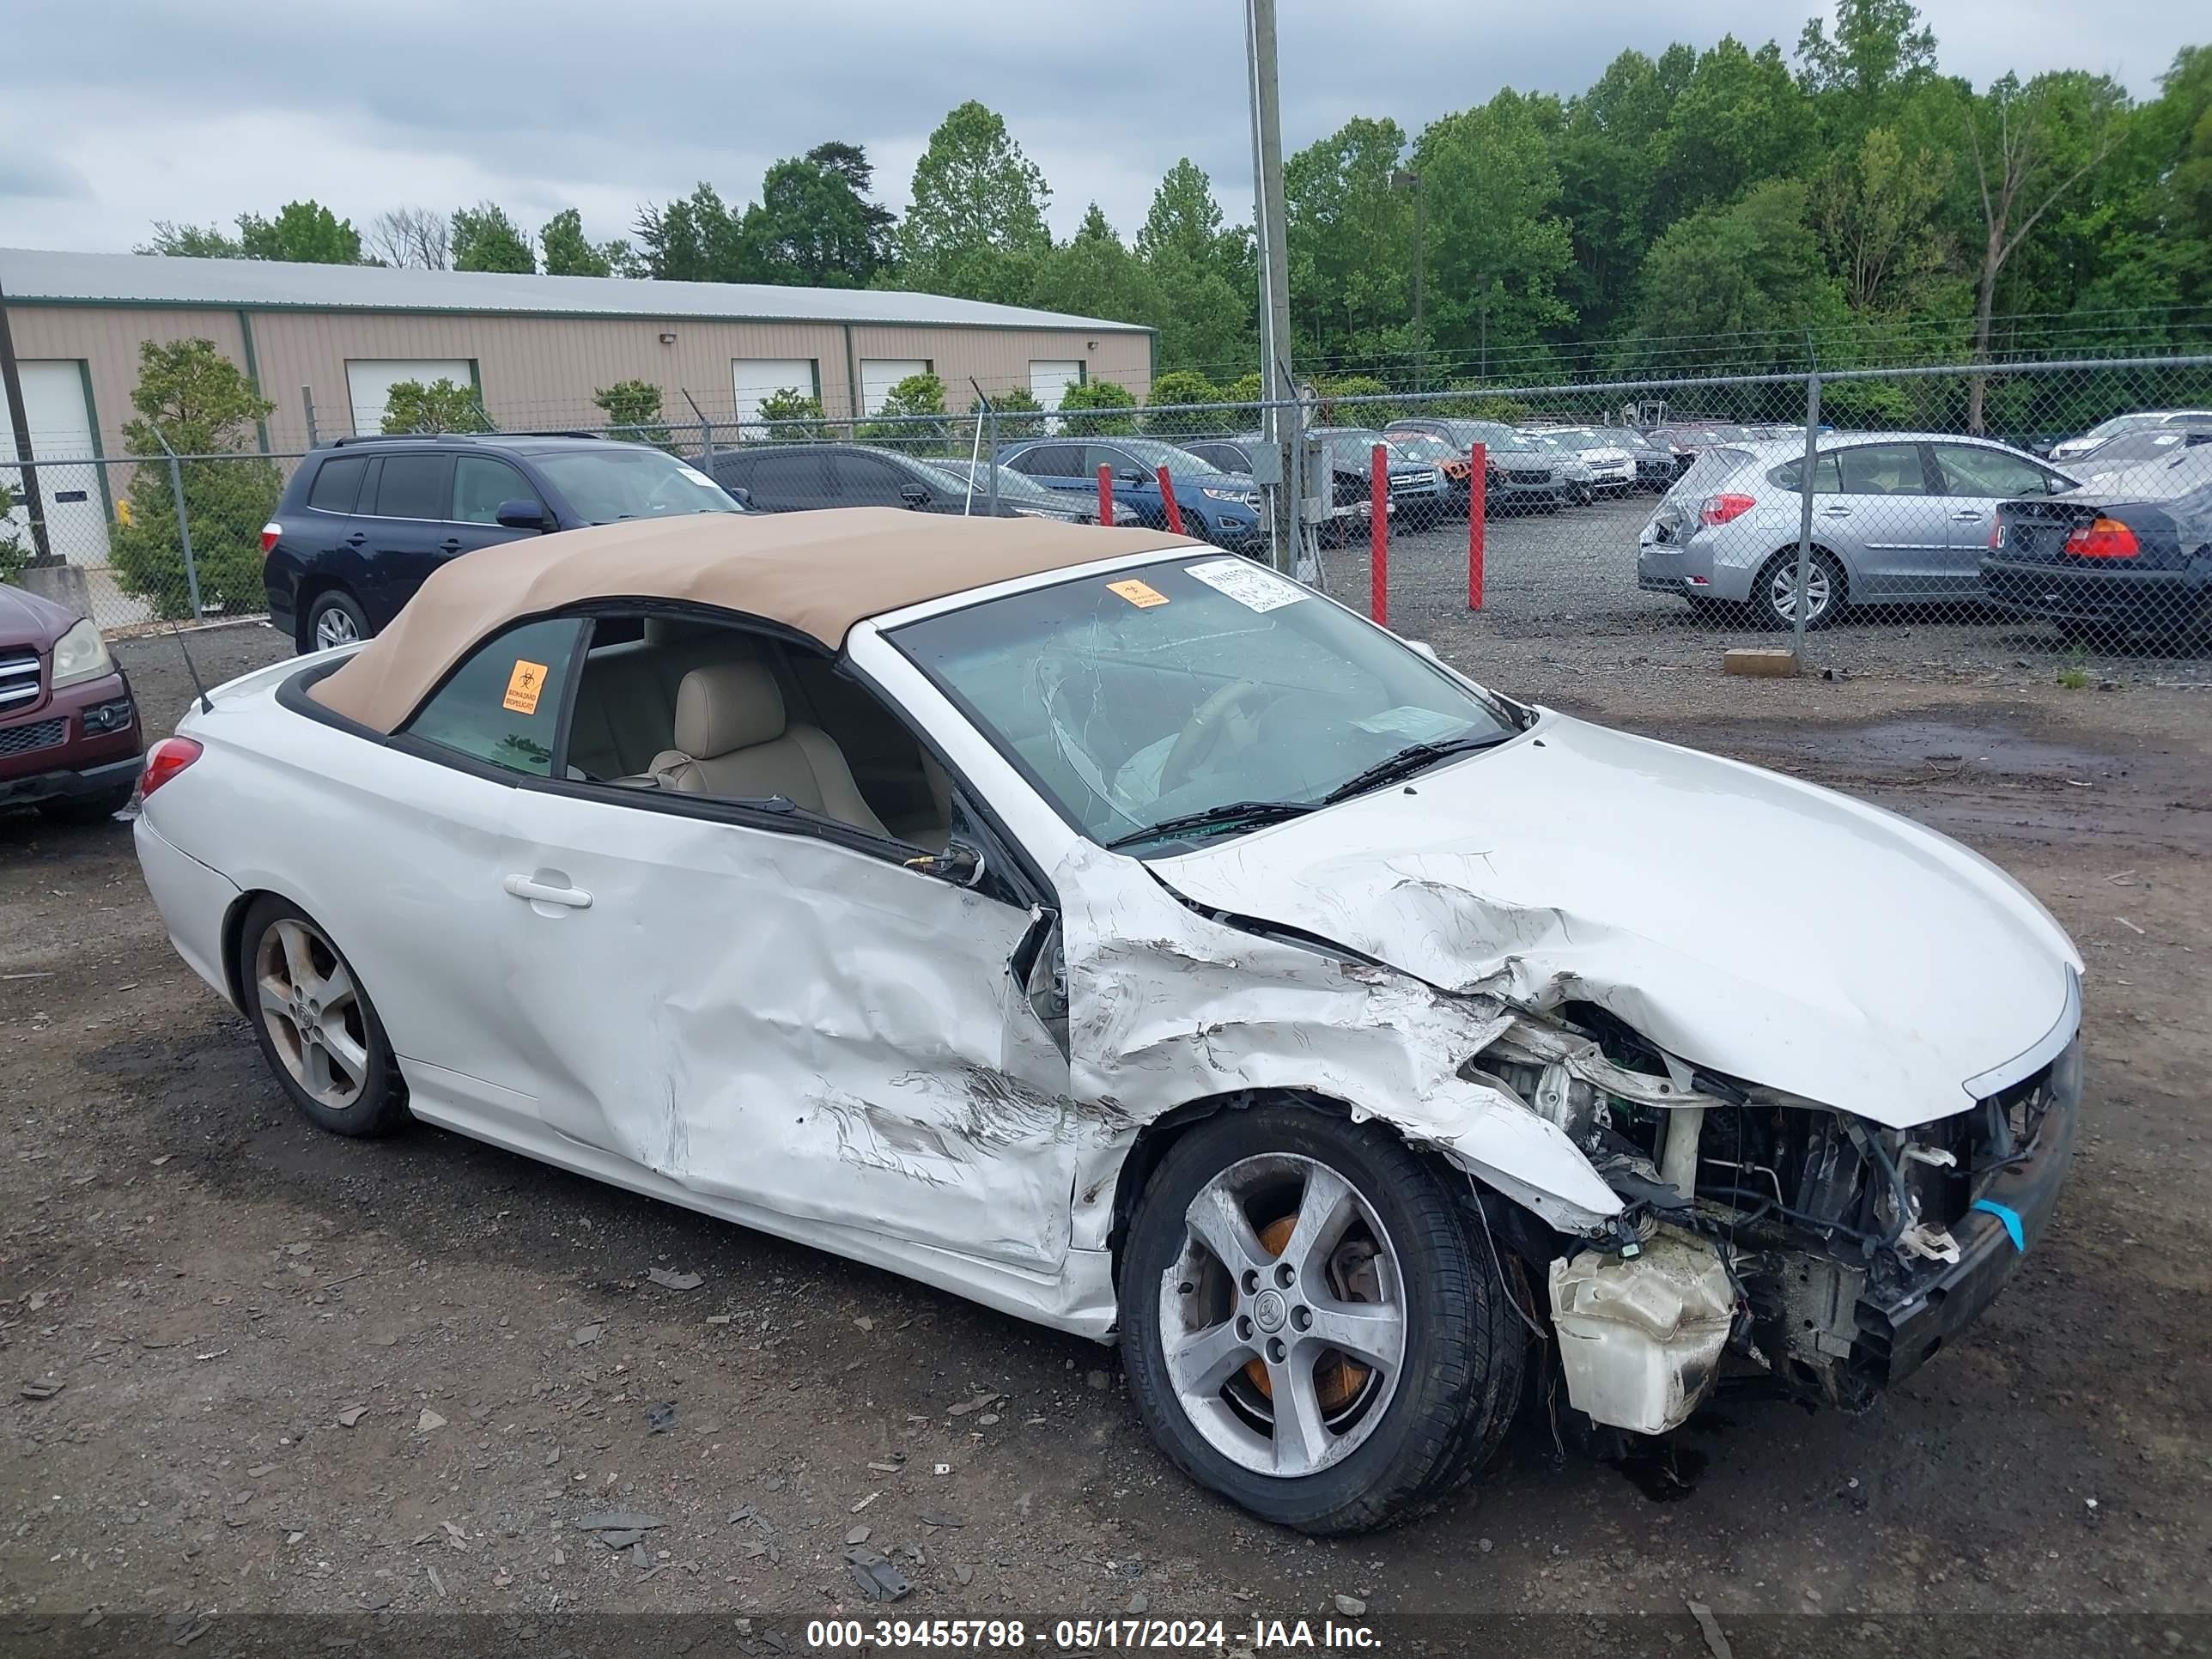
333,339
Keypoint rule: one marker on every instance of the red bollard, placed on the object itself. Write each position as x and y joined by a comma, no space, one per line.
1167,495
1476,481
1106,495
1378,536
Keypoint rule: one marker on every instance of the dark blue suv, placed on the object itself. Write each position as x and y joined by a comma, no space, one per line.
1218,506
364,522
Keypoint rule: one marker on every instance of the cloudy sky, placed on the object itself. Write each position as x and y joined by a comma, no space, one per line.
194,110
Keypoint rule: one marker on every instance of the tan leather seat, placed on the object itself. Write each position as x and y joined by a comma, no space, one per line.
733,739
625,712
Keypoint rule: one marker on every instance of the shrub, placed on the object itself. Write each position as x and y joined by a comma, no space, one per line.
1335,387
1019,413
14,555
1103,395
901,421
441,406
635,407
797,416
202,403
1186,386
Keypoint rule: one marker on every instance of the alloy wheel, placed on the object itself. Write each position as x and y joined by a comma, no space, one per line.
334,627
1783,591
312,1013
1283,1320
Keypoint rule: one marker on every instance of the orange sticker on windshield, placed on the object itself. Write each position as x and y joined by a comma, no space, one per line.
523,687
1143,595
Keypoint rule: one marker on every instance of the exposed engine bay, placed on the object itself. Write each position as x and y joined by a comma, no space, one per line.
1766,1239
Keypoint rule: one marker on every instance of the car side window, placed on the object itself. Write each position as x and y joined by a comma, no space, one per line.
1120,460
502,704
1969,470
793,478
1826,480
414,487
480,483
870,479
1880,470
1052,461
337,484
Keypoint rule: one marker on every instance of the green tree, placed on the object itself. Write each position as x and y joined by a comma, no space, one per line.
568,252
2030,145
14,554
695,239
633,408
1186,386
441,406
485,239
1333,388
1746,279
1741,118
813,227
1117,401
1019,413
306,232
851,162
1875,208
900,421
1349,236
1607,155
1203,280
1496,248
1093,275
202,403
975,225
191,242
797,415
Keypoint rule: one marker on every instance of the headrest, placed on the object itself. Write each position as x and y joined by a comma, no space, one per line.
727,705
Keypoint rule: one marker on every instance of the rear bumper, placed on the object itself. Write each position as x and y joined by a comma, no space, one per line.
2142,598
194,902
1900,1331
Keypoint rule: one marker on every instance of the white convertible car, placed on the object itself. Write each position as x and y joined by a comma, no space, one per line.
1125,937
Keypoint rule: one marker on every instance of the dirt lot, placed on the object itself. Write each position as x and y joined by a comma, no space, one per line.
298,1373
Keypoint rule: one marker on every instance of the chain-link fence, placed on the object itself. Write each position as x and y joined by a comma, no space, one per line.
2015,519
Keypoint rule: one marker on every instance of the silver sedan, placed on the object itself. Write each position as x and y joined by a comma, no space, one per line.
1898,518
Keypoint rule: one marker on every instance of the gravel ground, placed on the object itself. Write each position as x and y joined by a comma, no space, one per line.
254,1368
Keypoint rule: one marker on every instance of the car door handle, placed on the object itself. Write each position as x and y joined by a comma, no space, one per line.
1835,513
451,544
539,892
356,538
1967,515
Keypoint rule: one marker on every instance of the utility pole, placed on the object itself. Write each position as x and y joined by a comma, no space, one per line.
1283,428
19,419
1407,179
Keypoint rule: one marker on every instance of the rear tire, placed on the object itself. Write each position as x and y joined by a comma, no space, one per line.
335,619
318,1030
1773,590
1336,1230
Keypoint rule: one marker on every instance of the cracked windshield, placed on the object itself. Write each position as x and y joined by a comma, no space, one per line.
1196,697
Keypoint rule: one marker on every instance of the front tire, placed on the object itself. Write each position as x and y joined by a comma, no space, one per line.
318,1030
1279,1254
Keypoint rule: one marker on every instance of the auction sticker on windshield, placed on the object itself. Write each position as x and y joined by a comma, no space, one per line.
1143,595
1254,588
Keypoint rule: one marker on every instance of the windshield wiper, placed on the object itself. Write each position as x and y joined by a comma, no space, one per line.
1247,813
1413,757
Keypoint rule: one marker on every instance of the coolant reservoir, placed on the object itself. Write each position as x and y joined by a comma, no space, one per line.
1640,1336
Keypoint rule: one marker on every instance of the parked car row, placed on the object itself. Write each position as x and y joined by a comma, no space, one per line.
1926,519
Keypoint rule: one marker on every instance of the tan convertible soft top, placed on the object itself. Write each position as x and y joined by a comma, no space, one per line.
817,572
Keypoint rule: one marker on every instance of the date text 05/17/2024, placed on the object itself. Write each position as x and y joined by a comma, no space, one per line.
1088,1635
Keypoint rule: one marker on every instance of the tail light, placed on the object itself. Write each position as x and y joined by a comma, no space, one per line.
269,532
1997,531
164,760
2102,539
1719,509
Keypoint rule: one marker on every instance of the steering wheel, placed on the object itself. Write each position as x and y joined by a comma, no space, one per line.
1202,734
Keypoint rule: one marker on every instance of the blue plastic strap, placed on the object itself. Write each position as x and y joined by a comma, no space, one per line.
2011,1219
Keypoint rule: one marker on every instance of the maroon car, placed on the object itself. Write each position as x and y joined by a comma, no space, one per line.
69,730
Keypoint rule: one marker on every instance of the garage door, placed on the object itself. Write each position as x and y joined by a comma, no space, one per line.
61,424
759,377
880,374
1047,381
369,382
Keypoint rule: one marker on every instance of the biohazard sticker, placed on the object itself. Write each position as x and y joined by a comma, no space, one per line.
524,686
1143,595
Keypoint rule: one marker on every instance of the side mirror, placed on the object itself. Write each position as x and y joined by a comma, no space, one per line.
959,864
521,514
914,495
1129,474
739,494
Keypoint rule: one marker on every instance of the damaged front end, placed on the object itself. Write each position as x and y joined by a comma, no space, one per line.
1765,1238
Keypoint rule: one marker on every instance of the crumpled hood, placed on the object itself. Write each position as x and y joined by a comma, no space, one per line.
1750,923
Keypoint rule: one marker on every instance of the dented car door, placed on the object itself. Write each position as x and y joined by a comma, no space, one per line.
764,1012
